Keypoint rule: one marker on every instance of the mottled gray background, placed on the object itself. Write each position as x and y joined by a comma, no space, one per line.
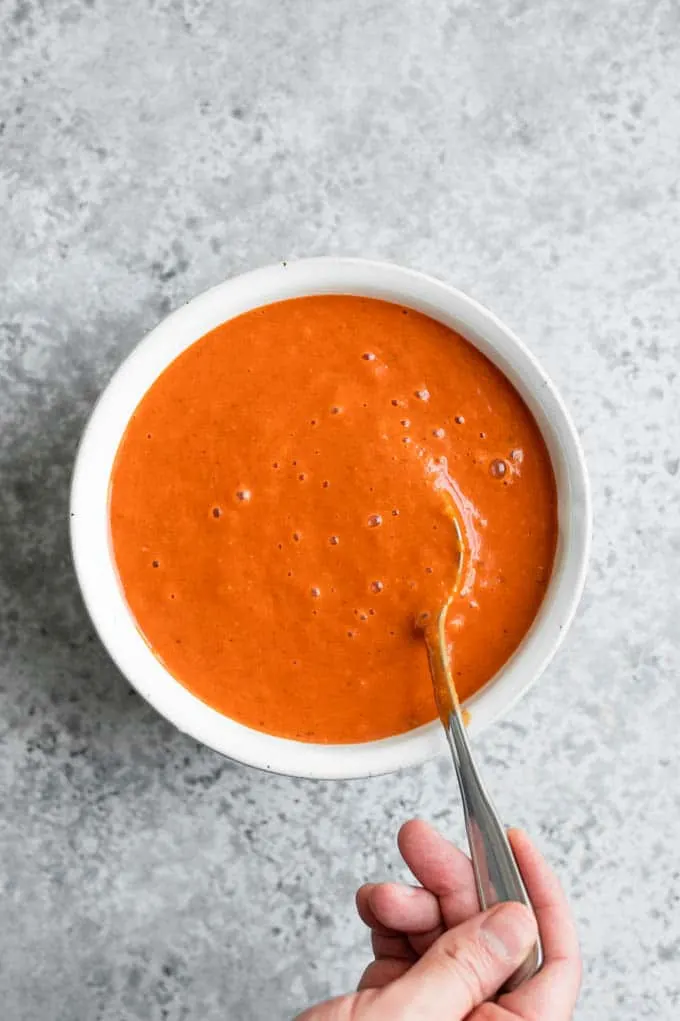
527,152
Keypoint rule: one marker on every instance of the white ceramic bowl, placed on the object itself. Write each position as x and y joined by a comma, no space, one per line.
90,525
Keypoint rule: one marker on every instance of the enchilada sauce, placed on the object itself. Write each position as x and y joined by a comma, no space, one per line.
281,509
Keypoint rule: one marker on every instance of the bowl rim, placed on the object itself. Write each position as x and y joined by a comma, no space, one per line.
89,522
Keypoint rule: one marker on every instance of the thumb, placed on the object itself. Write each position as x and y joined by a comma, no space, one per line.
465,967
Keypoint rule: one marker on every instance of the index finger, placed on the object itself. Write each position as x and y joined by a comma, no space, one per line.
559,980
442,868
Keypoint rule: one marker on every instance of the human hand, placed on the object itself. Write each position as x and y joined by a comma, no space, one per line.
437,957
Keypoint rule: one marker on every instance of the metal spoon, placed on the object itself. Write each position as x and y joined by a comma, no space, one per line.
496,871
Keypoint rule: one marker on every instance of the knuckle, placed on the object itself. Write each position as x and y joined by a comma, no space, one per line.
471,963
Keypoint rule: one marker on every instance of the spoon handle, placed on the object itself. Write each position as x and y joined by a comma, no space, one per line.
496,871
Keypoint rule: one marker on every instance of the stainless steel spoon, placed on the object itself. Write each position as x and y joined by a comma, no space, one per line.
496,871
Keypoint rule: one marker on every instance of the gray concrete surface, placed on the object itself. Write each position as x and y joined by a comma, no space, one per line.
527,152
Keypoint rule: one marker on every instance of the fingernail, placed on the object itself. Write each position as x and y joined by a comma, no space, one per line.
509,931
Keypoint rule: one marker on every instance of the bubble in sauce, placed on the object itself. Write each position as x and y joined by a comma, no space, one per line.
243,495
517,456
315,592
423,395
459,420
216,512
368,356
438,434
497,468
377,586
374,521
406,422
334,540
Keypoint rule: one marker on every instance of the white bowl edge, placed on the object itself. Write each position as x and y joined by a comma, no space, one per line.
90,537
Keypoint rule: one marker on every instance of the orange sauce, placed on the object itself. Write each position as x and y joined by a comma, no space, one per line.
281,514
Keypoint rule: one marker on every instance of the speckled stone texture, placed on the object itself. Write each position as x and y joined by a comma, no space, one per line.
526,152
